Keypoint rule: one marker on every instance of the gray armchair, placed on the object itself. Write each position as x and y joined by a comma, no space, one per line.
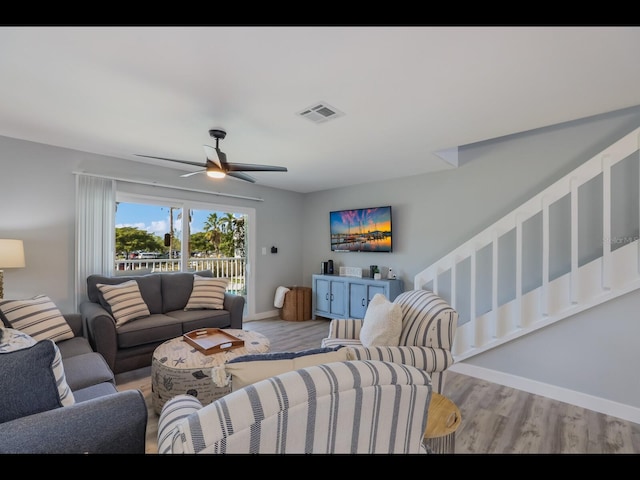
115,423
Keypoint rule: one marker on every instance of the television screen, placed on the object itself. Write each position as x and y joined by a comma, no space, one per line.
361,230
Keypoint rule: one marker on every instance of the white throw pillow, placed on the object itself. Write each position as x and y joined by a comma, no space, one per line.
38,317
207,293
125,301
382,323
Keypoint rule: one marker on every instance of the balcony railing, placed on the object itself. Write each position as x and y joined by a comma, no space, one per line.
234,269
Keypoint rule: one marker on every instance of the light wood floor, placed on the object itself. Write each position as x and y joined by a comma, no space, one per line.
495,419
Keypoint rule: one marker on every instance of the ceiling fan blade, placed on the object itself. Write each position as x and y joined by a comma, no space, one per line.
222,157
186,162
212,155
242,176
250,167
192,173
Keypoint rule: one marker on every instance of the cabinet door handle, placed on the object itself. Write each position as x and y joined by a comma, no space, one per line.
332,297
363,302
326,297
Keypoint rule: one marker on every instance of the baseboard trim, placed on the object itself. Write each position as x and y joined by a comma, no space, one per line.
597,404
262,316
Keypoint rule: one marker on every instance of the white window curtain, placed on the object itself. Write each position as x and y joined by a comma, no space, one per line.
95,229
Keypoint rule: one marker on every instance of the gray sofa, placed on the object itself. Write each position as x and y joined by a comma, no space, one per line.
102,420
131,346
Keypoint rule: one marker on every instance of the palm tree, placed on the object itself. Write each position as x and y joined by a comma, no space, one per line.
212,231
227,223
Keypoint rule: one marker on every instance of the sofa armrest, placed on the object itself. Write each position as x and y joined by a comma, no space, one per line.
101,331
234,304
114,423
173,413
435,361
424,358
75,322
346,328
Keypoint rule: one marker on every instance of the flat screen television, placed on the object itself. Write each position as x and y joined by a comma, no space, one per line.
361,230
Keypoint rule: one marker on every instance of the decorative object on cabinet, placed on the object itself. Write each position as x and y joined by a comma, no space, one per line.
350,272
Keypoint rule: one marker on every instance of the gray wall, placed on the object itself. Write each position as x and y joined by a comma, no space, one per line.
432,214
37,194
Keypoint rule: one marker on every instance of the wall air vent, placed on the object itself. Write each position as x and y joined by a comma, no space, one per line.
320,112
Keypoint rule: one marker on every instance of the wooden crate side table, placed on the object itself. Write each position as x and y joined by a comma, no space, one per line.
297,304
443,420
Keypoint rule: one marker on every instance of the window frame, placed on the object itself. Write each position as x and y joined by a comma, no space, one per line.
186,205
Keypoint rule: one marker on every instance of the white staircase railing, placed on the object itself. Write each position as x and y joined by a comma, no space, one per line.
571,247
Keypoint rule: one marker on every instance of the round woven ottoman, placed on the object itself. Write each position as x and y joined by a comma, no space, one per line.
177,367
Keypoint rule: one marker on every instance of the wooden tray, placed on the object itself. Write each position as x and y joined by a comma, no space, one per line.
212,340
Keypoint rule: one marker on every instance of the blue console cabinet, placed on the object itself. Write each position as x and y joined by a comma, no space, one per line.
348,297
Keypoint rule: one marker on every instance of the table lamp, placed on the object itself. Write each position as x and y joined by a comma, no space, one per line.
11,256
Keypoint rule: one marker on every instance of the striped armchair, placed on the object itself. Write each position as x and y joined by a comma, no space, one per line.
339,407
428,326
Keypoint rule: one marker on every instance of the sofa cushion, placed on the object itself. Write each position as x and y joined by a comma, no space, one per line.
74,346
382,323
86,370
125,301
152,329
207,293
150,289
177,287
248,369
38,317
198,319
32,377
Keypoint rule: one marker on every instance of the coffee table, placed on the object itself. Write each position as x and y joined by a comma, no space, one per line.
443,420
177,367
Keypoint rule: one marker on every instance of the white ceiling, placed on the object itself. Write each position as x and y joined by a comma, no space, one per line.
406,92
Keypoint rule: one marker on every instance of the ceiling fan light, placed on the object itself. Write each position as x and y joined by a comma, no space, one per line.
214,171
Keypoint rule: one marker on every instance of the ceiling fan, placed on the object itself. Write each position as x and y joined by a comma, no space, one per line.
217,166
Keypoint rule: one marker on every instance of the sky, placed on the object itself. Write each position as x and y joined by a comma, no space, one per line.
155,219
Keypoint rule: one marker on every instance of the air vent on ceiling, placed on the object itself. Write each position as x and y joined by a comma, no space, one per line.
320,112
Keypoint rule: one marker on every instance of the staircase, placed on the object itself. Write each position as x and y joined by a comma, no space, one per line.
571,247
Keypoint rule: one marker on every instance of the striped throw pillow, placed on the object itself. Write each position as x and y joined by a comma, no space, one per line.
38,317
125,301
207,293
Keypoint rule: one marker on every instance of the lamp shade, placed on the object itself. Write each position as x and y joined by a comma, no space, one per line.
11,253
